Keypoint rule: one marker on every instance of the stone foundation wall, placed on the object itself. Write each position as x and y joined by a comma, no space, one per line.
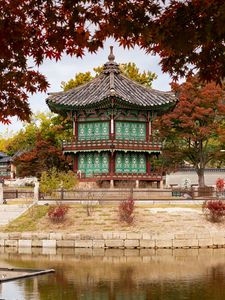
121,240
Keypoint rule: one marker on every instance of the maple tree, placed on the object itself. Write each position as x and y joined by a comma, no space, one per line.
185,34
191,130
190,36
43,157
37,147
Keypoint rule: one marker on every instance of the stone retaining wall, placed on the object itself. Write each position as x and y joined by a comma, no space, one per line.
121,240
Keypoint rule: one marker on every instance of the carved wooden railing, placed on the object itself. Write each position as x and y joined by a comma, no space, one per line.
74,144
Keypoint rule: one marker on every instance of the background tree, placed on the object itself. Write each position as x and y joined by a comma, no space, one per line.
42,157
3,143
129,69
23,140
80,78
55,179
38,147
191,130
219,159
132,71
48,126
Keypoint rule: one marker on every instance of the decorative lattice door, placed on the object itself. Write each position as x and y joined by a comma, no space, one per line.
130,130
92,163
130,163
93,131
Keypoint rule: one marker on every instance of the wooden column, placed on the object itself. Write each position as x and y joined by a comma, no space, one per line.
112,163
75,126
147,127
112,168
148,166
112,127
75,163
111,184
1,193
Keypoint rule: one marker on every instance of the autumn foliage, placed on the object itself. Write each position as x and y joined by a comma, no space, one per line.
214,210
38,146
44,156
126,211
220,184
191,129
57,213
186,35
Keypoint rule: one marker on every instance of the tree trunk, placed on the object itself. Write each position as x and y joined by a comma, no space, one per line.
201,165
201,177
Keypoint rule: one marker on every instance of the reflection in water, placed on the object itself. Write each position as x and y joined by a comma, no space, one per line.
120,275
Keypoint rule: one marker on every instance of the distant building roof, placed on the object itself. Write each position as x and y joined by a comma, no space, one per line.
2,154
4,158
111,83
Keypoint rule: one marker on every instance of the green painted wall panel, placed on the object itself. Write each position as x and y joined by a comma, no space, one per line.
130,163
130,130
93,131
93,163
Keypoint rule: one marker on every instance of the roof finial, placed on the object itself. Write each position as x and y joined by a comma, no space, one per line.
111,56
111,66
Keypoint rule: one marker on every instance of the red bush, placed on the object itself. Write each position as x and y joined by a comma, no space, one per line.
214,210
126,211
220,184
57,213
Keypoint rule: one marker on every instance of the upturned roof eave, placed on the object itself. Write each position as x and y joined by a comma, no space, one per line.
54,97
107,102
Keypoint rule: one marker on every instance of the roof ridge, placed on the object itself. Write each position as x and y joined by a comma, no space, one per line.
144,86
76,87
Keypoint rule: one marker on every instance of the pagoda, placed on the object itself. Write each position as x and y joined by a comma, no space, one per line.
113,139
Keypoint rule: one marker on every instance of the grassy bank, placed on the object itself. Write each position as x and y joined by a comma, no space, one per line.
106,218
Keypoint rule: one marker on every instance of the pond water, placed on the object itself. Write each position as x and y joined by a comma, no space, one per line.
118,275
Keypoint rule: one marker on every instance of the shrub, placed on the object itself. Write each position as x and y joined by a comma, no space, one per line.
57,213
54,179
126,210
214,210
220,184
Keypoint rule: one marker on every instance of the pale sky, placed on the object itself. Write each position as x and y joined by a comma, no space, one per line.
65,69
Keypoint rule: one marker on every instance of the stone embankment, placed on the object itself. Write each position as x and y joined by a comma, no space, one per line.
121,240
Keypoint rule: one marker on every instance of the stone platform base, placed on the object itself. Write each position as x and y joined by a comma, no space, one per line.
115,240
